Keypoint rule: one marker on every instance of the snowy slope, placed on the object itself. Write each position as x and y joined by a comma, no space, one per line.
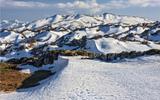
46,21
135,79
111,45
112,18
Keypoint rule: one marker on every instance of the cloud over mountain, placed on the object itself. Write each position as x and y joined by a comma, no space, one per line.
92,6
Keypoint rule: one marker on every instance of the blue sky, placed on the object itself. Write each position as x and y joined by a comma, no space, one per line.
28,10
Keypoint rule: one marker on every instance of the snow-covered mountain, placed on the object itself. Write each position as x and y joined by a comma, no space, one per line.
104,33
33,47
7,24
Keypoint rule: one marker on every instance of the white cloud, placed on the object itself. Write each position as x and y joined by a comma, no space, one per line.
22,4
115,4
89,5
92,5
80,4
145,3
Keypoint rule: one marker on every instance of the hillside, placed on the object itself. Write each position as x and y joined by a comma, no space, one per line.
103,33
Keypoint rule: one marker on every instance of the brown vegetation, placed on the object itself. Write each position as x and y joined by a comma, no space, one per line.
72,52
10,77
106,57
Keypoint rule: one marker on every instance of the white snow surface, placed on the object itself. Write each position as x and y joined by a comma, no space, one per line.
111,45
82,79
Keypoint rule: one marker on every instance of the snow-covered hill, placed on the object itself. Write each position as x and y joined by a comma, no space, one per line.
5,24
102,33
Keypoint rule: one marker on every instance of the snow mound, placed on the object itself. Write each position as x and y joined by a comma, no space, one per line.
111,45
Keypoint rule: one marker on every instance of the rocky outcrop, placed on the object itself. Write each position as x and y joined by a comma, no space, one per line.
122,55
81,43
44,59
67,40
38,61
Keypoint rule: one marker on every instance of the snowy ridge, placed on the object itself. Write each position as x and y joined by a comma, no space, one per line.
116,33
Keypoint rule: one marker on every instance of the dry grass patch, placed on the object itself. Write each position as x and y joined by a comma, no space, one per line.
7,67
72,52
10,77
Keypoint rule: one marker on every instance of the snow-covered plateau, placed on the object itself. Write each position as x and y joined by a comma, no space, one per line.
79,79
